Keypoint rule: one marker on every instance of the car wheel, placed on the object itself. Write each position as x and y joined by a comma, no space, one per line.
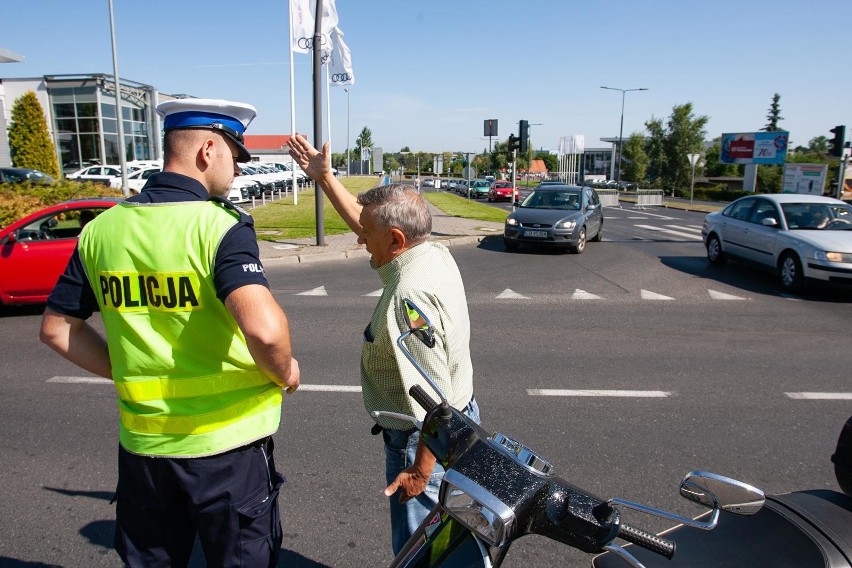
715,254
790,272
599,236
510,245
581,242
490,198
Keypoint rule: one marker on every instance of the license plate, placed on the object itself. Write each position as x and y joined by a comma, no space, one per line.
535,234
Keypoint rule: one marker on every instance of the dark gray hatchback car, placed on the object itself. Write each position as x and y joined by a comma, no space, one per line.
558,216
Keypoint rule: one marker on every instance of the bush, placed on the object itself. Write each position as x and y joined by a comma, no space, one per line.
20,199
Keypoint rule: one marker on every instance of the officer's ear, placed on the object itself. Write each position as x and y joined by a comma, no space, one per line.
206,153
398,242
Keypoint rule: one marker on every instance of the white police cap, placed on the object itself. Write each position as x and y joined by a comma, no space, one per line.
229,118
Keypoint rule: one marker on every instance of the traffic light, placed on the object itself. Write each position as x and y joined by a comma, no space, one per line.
524,136
835,145
514,143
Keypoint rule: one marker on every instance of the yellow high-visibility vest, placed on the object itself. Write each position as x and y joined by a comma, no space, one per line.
187,384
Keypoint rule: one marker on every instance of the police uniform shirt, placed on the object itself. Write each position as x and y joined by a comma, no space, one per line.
237,261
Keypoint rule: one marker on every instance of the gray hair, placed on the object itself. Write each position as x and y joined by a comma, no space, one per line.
399,206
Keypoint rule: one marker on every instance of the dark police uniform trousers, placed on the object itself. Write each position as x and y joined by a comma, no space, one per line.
163,503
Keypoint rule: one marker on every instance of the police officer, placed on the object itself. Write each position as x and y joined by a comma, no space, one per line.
197,346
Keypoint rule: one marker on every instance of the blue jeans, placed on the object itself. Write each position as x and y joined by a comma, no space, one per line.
400,450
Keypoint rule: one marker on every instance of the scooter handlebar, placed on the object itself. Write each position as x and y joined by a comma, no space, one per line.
652,542
423,399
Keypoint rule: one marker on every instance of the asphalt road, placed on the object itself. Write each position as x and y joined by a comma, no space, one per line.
641,311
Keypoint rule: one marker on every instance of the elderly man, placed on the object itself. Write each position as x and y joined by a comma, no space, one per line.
394,223
197,346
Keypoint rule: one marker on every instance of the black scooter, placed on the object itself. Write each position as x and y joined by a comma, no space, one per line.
496,490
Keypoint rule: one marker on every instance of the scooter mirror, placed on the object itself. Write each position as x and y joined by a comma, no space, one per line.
418,323
711,490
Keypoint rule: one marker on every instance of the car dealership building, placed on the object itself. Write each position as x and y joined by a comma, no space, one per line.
81,117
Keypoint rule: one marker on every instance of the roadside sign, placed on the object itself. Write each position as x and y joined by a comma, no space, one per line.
804,178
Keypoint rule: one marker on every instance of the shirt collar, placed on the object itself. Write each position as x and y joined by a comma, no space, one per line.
391,271
171,181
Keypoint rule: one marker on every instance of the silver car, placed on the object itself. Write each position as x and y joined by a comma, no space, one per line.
799,236
556,215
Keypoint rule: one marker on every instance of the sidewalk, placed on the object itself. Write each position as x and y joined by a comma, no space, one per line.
448,230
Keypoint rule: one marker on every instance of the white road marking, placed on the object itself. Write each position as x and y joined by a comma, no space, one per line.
329,388
819,395
86,380
722,296
509,294
647,295
318,291
375,293
285,247
682,228
670,232
583,295
609,393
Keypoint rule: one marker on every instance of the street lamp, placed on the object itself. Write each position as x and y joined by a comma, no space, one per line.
347,130
621,130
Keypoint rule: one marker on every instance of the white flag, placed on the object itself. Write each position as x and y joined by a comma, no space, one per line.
304,23
340,64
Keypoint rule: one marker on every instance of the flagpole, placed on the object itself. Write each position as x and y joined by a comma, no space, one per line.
295,184
328,102
317,53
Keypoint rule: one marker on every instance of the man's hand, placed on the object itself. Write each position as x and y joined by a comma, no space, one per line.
295,377
314,163
411,482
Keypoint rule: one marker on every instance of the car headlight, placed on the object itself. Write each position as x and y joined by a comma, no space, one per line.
569,224
511,221
826,256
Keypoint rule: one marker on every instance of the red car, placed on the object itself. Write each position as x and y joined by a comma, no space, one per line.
501,190
35,249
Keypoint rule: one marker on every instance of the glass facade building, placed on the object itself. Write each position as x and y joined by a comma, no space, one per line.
83,120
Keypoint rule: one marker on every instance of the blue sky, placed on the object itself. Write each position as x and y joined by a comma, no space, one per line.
429,73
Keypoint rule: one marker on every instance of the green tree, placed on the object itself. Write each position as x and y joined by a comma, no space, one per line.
364,140
635,159
713,167
667,148
774,114
29,140
551,161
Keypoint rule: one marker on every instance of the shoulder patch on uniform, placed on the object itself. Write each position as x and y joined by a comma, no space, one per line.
245,216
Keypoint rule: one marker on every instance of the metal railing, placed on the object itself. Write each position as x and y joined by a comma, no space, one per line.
609,197
649,198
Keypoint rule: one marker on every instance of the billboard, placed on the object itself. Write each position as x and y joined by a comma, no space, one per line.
804,178
754,148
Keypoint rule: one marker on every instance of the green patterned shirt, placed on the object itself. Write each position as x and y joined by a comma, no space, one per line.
428,275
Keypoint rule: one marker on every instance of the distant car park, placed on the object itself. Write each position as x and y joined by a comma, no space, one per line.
98,174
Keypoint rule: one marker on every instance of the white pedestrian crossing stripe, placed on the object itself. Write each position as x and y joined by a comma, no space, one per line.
508,294
722,296
375,293
681,234
648,295
583,295
318,291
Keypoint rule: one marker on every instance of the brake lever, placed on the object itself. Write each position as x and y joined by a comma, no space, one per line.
405,417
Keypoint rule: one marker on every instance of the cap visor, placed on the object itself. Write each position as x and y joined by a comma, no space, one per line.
243,155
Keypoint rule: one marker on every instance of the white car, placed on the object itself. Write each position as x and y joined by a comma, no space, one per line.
799,236
101,174
136,180
301,176
243,188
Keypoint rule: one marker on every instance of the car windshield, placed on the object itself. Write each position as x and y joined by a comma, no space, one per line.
539,199
818,216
